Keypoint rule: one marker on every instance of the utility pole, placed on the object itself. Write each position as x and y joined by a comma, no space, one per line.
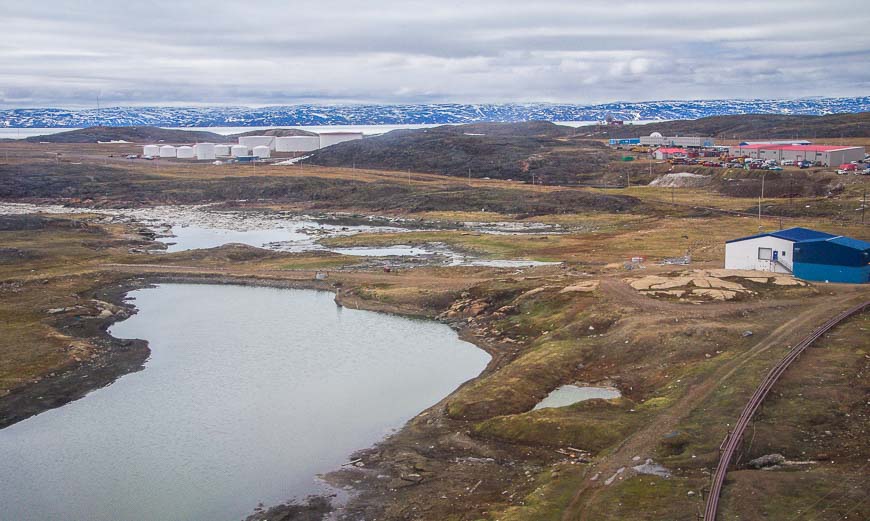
864,206
760,197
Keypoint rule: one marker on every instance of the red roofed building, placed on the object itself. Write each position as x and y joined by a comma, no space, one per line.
667,153
827,155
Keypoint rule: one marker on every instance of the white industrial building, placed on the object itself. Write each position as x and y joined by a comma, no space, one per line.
297,143
656,140
167,151
256,141
824,154
151,151
239,150
222,150
204,151
333,138
772,251
184,152
262,151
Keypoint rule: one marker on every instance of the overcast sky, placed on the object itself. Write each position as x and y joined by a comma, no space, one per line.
67,53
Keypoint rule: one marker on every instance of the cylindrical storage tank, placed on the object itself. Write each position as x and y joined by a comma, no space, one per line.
184,152
204,150
262,151
256,141
332,138
167,151
297,143
239,150
221,150
151,150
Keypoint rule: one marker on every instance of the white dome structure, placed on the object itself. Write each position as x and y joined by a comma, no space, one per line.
256,141
204,151
151,150
239,150
262,151
655,134
184,152
297,143
167,151
221,150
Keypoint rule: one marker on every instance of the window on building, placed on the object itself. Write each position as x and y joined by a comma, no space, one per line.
783,253
765,253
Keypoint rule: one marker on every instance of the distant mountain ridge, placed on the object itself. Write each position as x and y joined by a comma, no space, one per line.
379,114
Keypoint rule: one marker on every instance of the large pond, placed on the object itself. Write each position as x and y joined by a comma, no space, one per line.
249,393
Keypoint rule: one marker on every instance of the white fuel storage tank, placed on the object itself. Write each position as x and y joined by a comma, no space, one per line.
184,152
262,151
297,143
239,150
167,151
256,141
204,151
222,150
151,150
332,138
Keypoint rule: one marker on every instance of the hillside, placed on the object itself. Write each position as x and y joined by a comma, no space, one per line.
131,134
277,132
495,150
409,114
748,126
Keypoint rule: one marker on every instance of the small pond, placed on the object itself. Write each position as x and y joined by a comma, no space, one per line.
571,394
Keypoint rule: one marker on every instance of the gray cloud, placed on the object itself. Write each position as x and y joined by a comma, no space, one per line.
62,53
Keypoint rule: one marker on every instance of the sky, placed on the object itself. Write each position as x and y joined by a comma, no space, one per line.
72,53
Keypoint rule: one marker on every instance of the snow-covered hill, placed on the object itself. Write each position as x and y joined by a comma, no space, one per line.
313,115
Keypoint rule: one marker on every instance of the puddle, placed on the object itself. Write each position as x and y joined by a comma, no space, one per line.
571,394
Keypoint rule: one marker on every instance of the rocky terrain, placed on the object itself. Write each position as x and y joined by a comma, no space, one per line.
757,126
372,114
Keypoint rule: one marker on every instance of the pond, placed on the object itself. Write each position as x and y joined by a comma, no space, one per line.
249,393
571,394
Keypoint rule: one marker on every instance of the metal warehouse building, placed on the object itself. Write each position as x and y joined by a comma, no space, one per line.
826,155
656,139
807,254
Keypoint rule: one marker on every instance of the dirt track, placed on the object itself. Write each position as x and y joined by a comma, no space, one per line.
645,440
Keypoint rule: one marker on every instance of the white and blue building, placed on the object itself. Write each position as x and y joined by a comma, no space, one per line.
804,253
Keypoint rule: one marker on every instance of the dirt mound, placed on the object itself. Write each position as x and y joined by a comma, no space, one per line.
681,180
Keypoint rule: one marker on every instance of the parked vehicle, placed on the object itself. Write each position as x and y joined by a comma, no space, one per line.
788,162
805,164
774,168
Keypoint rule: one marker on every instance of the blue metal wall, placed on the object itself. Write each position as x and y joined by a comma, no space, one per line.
832,273
828,252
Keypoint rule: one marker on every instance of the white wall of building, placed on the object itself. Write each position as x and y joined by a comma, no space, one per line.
239,150
744,255
262,151
222,150
151,150
204,151
297,143
184,152
167,151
